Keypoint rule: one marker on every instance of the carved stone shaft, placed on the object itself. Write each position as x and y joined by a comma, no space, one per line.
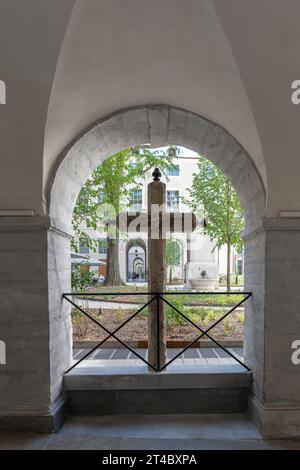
156,276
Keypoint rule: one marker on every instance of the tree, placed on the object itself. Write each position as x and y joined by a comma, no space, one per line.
173,256
110,185
81,279
212,190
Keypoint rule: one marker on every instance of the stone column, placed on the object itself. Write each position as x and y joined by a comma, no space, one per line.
156,273
36,332
273,324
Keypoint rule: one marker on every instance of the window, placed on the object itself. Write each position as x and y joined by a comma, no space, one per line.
239,267
136,200
173,201
83,249
173,170
102,246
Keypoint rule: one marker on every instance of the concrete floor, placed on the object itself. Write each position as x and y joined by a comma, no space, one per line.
180,432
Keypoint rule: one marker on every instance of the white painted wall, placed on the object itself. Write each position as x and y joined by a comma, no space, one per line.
118,54
232,62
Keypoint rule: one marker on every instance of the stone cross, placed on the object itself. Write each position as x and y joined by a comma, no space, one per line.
157,223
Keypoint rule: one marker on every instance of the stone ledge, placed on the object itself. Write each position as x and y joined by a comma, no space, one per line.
138,378
24,223
34,223
283,224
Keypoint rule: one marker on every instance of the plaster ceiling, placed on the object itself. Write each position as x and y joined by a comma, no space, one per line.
120,54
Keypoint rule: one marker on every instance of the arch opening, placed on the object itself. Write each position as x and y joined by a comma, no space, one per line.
136,260
155,125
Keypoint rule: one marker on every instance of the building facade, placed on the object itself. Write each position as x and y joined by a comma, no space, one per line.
197,253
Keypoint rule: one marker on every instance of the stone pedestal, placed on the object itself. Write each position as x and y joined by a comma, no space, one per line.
201,270
194,278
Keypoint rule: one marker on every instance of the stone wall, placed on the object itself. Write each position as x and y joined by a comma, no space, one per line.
24,323
272,263
278,413
254,307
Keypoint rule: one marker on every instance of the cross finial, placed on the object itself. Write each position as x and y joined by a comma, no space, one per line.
156,174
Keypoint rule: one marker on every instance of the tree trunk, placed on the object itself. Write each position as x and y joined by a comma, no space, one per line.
228,266
113,277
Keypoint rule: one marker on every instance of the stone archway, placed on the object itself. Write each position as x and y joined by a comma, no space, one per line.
136,242
157,125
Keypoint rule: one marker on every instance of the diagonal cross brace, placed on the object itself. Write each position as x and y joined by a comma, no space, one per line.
205,332
110,334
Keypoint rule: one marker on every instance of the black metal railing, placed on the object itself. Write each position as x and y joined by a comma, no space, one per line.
155,296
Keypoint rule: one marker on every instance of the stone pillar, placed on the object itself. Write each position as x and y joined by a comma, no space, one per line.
156,274
273,324
60,327
31,326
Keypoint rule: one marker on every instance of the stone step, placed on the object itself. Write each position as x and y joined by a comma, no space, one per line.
93,390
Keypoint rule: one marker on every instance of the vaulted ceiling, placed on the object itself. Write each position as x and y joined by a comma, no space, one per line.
67,63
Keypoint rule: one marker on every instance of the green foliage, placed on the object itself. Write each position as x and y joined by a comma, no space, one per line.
119,314
220,300
203,315
110,185
212,191
211,316
240,317
217,299
173,255
228,326
173,252
172,316
80,280
199,314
